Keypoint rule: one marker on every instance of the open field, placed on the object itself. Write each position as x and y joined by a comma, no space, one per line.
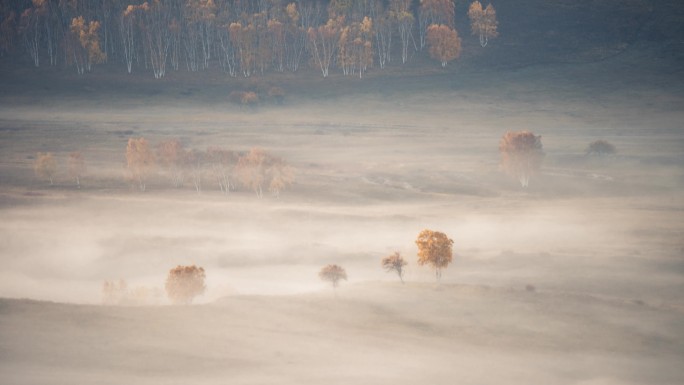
601,241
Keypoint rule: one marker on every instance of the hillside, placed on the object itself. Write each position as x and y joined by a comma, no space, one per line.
371,334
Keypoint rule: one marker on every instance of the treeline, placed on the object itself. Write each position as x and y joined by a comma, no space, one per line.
241,37
255,170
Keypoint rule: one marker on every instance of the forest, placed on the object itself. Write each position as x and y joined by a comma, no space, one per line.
243,38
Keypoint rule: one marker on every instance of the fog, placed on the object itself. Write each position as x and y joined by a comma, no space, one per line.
577,279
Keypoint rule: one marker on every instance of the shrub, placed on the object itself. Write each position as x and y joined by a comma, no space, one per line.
600,147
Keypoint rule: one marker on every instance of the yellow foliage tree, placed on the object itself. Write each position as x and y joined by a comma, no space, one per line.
185,283
521,155
87,44
483,22
434,248
444,43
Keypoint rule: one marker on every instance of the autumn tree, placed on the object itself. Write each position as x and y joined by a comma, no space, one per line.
395,262
45,166
483,22
521,155
222,163
86,46
77,167
140,160
401,15
333,274
185,283
280,176
173,158
252,168
444,43
323,42
440,12
434,248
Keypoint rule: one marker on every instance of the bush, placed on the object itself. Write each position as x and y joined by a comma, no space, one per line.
600,148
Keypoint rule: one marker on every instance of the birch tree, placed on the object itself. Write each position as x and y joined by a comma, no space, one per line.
140,161
483,22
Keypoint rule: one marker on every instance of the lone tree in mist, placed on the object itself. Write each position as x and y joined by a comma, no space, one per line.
521,155
140,160
434,248
395,262
600,148
333,274
45,166
77,167
483,22
185,283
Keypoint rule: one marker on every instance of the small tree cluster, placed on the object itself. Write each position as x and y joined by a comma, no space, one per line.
521,155
255,170
184,283
483,22
258,170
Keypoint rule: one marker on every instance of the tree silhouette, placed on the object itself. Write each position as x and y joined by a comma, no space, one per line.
333,274
185,283
434,248
395,262
45,166
521,155
600,147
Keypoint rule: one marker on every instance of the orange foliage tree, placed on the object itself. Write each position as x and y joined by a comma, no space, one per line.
333,274
434,248
521,155
140,160
77,167
185,283
45,166
87,44
483,22
444,43
395,262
